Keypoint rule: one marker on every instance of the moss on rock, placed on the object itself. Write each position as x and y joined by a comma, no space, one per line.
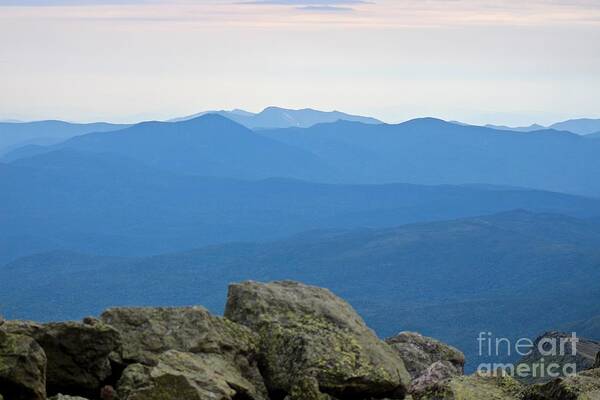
78,353
473,387
148,332
186,376
420,352
22,368
584,386
307,333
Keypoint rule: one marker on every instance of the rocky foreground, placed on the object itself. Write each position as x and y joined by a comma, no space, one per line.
282,340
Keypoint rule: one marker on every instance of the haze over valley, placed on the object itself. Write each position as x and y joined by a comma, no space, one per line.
299,200
470,216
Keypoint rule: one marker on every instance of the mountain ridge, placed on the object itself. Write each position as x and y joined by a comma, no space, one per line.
420,151
277,117
579,126
433,151
109,203
209,145
457,270
17,134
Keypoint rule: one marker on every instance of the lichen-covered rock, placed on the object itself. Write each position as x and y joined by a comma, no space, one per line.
583,386
148,332
419,352
472,387
65,397
436,372
307,389
78,354
186,376
582,356
22,368
311,338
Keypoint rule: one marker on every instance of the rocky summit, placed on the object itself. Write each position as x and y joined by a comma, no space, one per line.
277,341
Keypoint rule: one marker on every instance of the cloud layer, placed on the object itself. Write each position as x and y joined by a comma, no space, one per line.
376,13
47,3
395,59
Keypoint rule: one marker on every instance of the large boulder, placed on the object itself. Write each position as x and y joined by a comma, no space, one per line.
185,376
78,353
147,333
597,363
313,344
583,386
419,352
569,358
22,368
472,387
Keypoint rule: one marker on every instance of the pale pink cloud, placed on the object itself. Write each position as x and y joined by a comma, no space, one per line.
356,13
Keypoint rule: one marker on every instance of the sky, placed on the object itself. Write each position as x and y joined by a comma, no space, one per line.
508,62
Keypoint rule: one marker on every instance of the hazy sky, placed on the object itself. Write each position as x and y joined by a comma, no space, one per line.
479,61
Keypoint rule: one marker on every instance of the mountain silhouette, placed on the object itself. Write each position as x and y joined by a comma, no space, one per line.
432,151
582,126
111,204
593,135
210,145
276,117
17,134
530,128
422,151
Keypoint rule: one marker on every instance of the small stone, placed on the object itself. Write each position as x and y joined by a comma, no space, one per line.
435,373
108,393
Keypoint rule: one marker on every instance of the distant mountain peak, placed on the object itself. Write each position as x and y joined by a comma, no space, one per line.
429,119
276,108
427,122
273,108
581,126
530,128
278,117
208,117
